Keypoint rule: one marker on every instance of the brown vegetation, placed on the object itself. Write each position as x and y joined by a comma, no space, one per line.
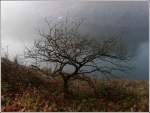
25,89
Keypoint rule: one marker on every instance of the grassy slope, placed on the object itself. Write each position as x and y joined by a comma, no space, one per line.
24,89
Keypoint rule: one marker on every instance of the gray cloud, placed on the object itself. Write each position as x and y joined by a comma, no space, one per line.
141,63
20,20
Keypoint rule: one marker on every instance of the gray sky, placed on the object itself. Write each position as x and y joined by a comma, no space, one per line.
21,19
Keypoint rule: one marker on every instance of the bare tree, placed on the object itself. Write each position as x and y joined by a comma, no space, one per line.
64,46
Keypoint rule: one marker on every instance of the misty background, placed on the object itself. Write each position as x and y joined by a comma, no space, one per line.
20,21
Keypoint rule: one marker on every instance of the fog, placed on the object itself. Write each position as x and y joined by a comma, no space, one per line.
20,21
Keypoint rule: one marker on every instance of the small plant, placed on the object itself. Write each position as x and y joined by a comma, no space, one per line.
5,101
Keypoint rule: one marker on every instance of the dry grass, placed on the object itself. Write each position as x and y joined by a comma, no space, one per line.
24,89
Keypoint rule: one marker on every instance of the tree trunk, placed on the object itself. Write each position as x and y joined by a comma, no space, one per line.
66,87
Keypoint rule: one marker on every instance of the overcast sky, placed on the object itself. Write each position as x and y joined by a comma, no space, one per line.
21,19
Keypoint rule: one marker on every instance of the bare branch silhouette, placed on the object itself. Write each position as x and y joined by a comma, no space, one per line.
64,45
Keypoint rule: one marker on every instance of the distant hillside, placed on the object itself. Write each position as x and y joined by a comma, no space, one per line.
26,89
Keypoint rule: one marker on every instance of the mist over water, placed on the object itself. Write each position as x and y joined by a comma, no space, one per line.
21,19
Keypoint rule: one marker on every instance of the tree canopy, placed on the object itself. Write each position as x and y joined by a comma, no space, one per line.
63,45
